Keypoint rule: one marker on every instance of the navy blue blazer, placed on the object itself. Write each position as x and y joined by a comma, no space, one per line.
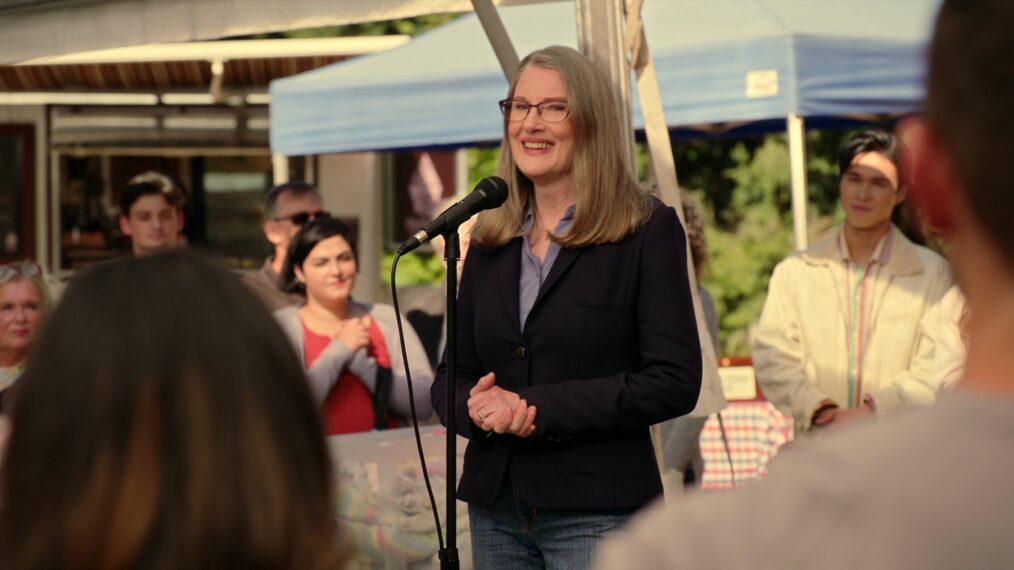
609,348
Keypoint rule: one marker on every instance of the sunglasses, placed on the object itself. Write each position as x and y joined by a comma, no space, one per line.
302,217
25,268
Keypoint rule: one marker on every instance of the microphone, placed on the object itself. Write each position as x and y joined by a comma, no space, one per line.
489,193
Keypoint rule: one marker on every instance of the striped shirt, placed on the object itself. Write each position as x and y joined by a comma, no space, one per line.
859,279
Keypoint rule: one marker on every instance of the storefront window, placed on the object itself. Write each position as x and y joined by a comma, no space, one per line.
17,187
223,212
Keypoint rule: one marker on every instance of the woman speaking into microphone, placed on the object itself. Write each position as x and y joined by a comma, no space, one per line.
576,330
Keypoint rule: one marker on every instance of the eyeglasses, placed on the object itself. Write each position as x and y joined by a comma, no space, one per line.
25,268
301,218
551,111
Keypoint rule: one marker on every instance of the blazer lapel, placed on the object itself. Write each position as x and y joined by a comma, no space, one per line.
563,262
509,269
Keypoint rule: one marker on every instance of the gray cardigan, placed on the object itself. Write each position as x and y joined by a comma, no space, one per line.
337,357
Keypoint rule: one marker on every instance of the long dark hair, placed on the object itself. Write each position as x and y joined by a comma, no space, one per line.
884,142
872,140
164,422
311,234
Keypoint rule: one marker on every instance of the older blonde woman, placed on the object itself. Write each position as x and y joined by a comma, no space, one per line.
23,300
181,435
576,330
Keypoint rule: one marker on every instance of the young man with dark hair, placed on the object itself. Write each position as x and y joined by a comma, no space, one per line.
929,488
287,207
844,333
151,214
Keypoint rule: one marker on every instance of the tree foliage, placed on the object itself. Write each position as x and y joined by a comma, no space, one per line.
746,188
407,26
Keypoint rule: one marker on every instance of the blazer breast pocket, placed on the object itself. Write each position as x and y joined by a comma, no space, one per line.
602,276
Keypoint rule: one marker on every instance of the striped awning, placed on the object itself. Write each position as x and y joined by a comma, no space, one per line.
156,76
34,28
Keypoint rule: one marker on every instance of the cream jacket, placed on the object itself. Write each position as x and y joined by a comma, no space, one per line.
800,348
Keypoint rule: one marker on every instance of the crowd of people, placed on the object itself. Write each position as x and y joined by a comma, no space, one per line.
167,412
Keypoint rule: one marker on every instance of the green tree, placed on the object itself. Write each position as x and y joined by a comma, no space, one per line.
413,269
752,226
751,234
481,163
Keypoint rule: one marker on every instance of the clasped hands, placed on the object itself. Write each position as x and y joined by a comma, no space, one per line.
494,409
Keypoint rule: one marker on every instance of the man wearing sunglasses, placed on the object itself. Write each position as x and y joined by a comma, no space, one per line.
287,207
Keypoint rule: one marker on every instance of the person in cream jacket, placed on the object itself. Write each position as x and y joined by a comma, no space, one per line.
845,332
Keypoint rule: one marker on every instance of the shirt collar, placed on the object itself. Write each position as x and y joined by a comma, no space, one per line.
881,253
529,217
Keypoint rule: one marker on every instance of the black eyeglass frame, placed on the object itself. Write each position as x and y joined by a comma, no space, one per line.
505,109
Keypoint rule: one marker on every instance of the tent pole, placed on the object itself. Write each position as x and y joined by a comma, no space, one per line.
600,37
797,164
497,34
663,166
279,168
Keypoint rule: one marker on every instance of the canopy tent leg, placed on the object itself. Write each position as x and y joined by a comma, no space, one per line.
797,164
663,166
497,34
279,168
600,37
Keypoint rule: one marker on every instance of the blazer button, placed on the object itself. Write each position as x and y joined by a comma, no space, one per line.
520,352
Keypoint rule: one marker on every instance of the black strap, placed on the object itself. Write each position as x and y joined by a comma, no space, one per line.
382,397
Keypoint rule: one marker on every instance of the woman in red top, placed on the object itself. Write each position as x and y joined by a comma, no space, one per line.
350,350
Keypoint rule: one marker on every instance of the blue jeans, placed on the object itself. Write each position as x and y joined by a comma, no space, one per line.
511,534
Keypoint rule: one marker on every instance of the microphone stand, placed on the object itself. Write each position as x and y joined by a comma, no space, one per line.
452,251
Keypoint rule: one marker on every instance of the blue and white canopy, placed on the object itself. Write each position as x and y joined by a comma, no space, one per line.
718,61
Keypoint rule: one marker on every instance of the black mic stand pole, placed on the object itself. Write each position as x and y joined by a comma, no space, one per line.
449,555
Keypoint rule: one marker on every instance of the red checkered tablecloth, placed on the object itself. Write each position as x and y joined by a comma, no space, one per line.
755,431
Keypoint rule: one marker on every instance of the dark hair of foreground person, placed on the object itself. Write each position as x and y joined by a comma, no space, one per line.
164,422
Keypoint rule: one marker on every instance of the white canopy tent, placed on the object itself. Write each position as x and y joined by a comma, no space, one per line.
36,28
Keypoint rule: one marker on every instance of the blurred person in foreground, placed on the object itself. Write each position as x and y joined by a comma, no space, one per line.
846,331
576,329
171,429
287,207
350,350
23,302
928,488
151,214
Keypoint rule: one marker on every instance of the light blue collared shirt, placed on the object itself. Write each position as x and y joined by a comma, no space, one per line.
533,273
